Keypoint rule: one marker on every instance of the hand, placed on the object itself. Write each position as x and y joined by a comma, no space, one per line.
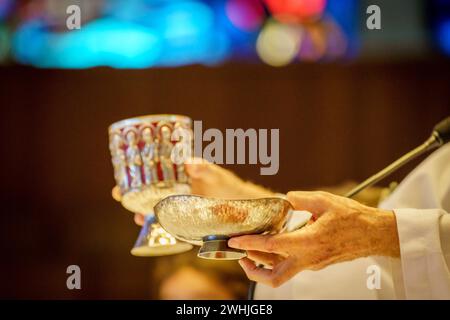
343,230
139,219
211,180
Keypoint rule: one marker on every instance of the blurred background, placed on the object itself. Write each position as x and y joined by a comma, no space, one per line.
347,100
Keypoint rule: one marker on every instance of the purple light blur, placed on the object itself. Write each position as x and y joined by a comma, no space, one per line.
246,15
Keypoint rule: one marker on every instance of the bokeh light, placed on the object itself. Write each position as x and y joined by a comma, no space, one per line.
314,44
278,43
171,33
106,42
247,15
296,10
337,44
175,34
443,36
4,43
29,41
189,34
6,7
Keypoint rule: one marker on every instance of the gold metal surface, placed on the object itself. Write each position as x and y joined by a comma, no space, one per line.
192,218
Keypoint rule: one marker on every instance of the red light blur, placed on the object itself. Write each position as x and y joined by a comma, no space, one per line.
296,10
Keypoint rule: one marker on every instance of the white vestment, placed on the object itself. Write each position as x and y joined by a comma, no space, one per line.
421,204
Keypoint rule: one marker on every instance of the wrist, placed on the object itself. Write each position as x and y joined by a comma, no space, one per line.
385,241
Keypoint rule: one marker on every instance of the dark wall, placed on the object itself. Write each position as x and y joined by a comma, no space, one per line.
336,123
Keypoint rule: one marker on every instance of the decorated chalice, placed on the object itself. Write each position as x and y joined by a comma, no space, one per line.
148,155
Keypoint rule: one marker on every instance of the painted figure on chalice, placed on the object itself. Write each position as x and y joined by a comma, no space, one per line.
134,160
119,162
181,174
149,156
165,151
183,147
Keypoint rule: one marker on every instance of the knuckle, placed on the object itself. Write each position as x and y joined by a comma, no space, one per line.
295,197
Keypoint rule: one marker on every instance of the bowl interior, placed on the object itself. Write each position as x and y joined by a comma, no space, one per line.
191,218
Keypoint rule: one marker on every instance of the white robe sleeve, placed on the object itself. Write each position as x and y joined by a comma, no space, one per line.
424,263
424,232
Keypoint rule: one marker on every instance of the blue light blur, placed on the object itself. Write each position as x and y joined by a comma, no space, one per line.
29,41
104,42
190,34
174,34
443,36
243,42
343,12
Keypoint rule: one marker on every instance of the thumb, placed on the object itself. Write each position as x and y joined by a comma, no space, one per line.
115,192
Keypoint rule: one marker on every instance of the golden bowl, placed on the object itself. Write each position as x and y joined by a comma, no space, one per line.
210,222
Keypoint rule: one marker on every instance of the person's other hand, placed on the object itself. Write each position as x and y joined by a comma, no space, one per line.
139,219
211,180
343,230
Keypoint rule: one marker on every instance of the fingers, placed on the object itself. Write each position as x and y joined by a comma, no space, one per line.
267,259
139,219
263,243
116,194
195,160
197,167
314,202
281,272
253,272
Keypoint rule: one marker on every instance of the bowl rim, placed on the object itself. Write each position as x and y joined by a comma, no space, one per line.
224,199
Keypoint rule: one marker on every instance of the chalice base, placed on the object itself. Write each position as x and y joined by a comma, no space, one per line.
161,250
154,241
216,248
